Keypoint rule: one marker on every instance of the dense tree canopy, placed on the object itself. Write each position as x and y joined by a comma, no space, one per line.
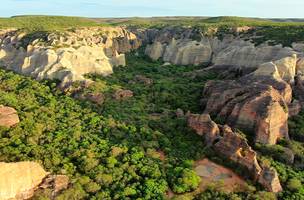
114,150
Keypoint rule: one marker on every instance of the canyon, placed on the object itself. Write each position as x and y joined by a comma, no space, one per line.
260,87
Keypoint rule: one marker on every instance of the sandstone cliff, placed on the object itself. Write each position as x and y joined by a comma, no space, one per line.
66,56
188,46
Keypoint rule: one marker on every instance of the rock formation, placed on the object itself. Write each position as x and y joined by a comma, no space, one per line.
204,126
234,147
270,180
122,94
8,116
188,46
181,52
256,104
142,79
66,56
20,180
56,183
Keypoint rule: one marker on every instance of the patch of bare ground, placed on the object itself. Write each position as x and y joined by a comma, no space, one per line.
213,176
223,178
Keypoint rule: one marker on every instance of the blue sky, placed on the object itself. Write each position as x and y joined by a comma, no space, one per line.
145,8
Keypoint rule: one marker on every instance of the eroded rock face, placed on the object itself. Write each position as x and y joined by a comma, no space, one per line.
234,147
270,180
249,56
287,67
181,52
190,47
204,126
67,56
8,116
254,104
56,183
20,180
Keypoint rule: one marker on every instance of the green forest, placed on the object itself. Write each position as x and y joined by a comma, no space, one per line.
135,148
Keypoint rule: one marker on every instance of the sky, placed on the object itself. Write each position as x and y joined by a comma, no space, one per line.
147,8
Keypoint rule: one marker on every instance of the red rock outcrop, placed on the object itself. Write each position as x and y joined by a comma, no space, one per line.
8,116
253,104
234,147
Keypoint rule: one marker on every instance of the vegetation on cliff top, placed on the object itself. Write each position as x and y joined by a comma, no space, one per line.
46,23
277,32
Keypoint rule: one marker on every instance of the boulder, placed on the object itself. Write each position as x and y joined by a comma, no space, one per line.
61,182
298,46
143,79
56,183
287,67
20,180
268,69
97,98
8,116
122,94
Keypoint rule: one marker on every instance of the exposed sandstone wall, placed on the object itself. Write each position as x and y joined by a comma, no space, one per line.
253,103
66,56
188,46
